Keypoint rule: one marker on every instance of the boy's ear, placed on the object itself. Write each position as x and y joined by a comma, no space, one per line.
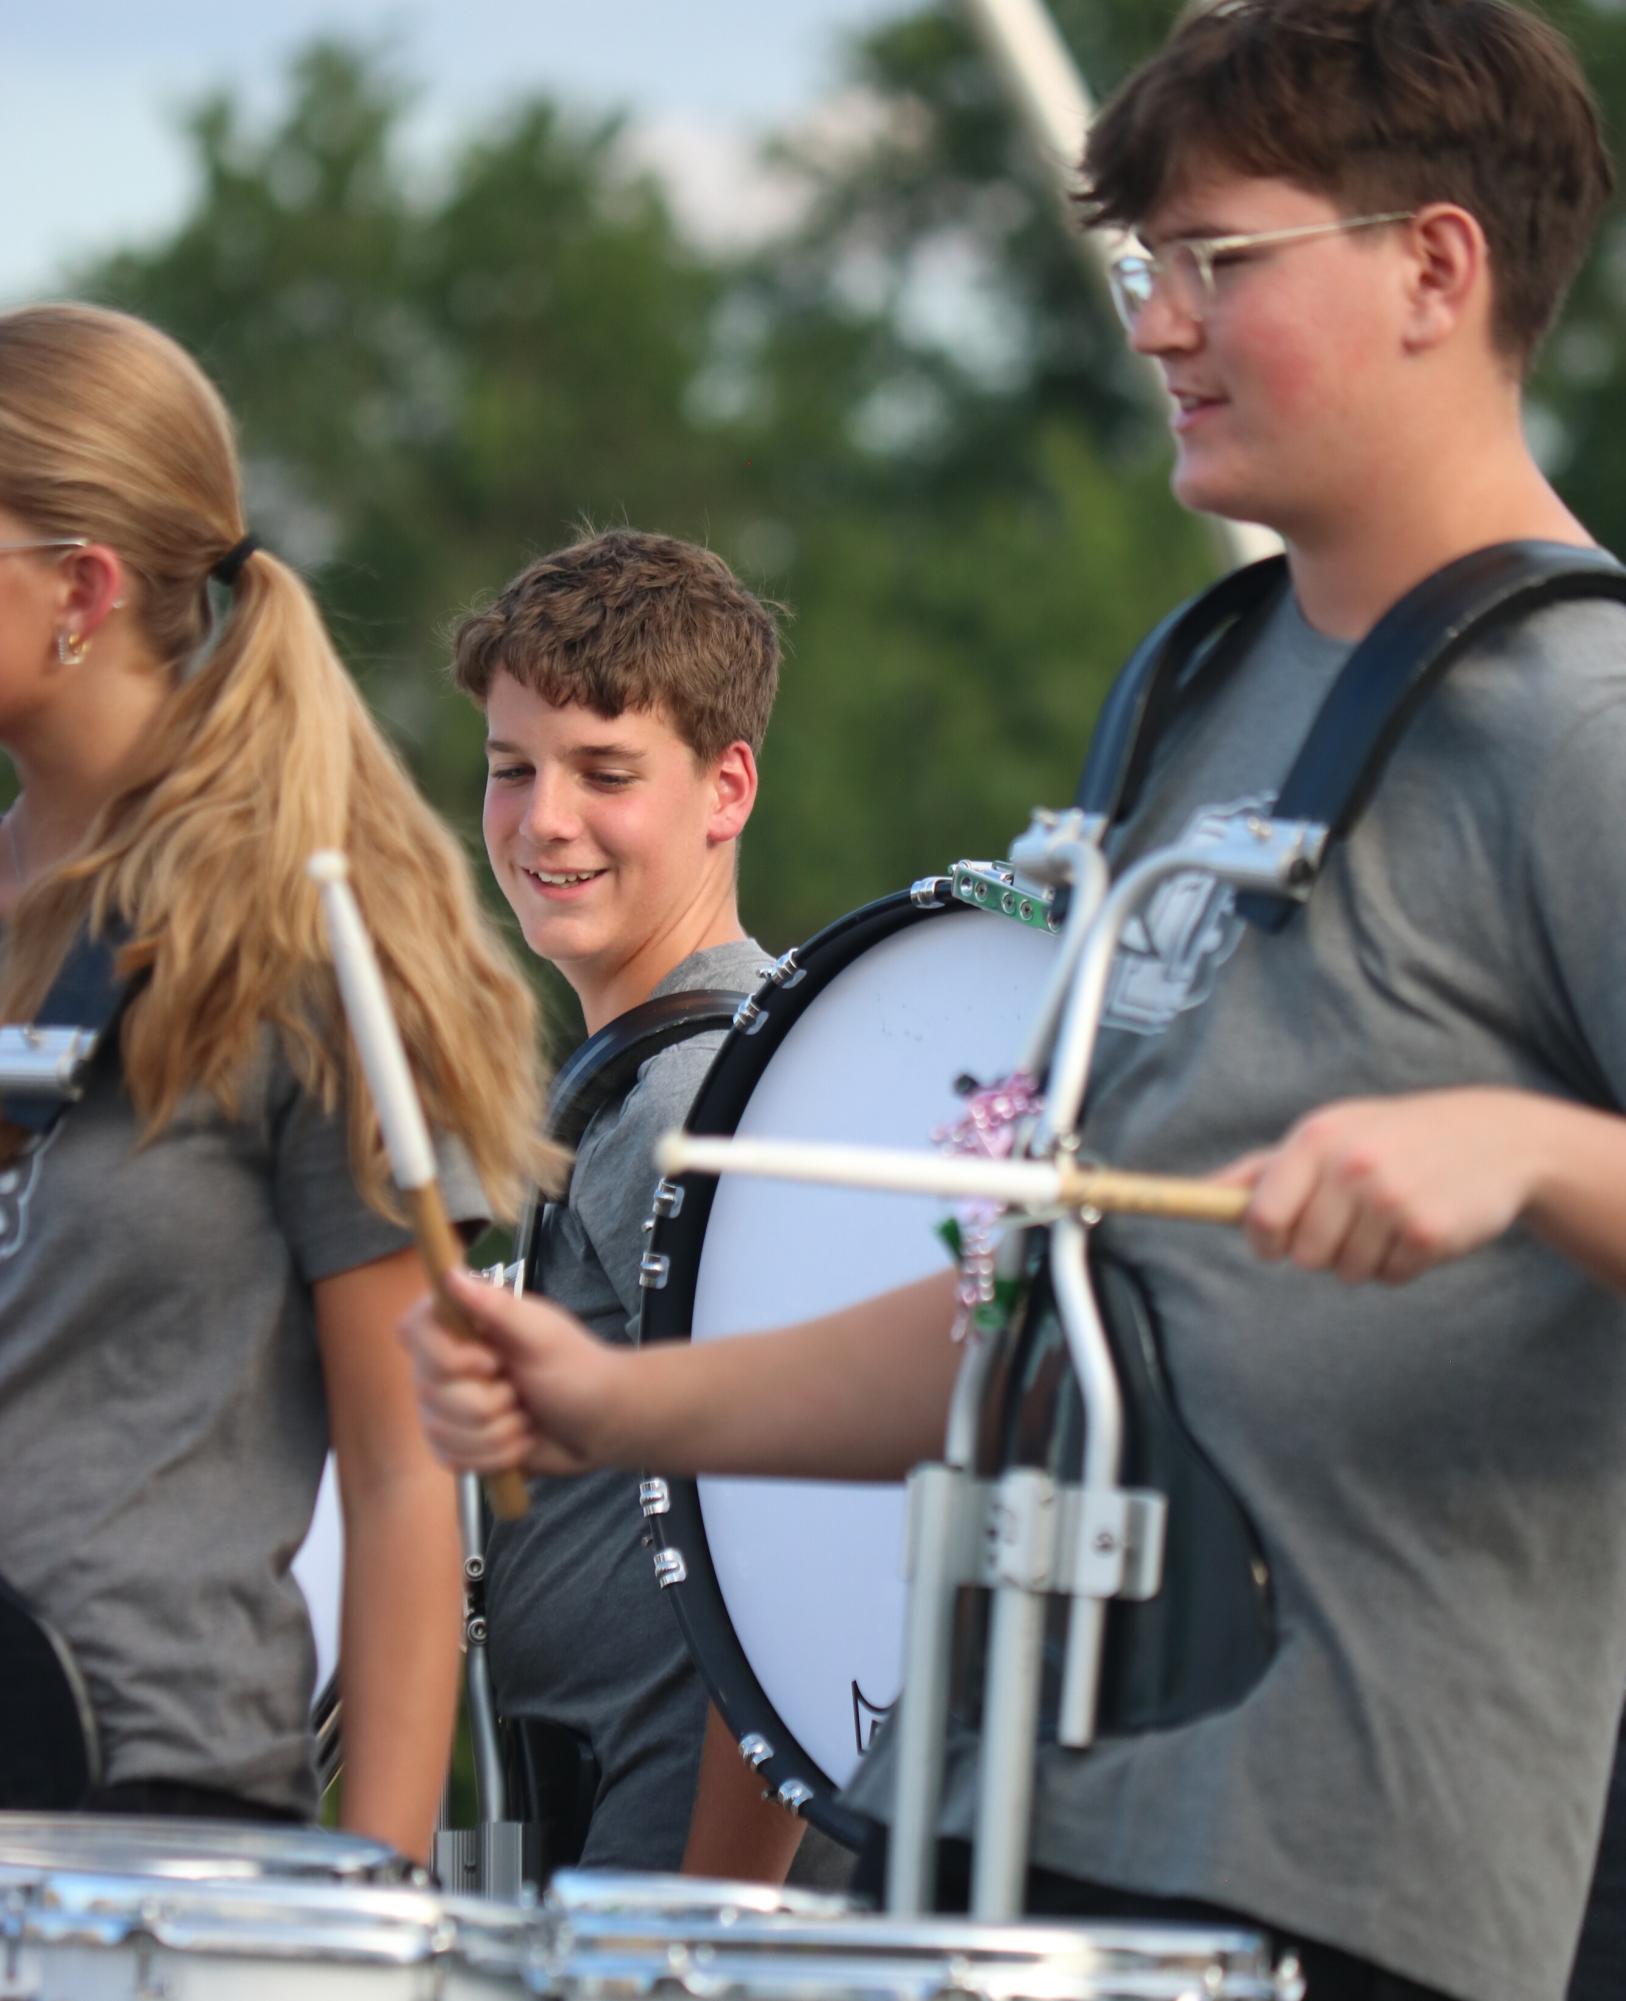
1450,272
734,793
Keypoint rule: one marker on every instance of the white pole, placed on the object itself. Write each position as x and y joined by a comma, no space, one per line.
1056,109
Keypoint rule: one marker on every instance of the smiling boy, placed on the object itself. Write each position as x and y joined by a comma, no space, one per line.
1359,218
627,683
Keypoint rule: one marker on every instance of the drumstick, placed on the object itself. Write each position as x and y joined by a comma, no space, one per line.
1014,1184
406,1136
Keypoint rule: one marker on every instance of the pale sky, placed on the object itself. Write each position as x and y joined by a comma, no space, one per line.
90,90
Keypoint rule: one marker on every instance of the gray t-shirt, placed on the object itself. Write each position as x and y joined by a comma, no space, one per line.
1438,1473
580,1634
162,1419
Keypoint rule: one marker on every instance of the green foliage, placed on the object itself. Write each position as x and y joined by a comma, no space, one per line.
437,376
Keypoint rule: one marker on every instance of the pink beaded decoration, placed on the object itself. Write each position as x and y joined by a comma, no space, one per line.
987,1131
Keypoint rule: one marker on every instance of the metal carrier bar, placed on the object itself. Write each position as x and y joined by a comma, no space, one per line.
490,1859
1023,1536
1059,851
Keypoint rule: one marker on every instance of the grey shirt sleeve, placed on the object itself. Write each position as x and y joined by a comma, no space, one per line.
328,1226
615,1176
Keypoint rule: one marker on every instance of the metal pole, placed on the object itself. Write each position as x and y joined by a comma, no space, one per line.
1055,107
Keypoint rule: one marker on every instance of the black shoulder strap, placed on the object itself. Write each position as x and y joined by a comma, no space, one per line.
1142,700
89,994
601,1070
1404,656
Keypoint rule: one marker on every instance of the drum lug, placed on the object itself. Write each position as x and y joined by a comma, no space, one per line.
653,1271
931,892
755,1749
787,970
748,1017
670,1568
795,1793
668,1199
654,1497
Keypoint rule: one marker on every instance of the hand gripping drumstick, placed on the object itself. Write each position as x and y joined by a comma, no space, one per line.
1016,1184
406,1137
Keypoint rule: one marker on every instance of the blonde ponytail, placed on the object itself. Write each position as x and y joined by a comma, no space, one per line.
264,753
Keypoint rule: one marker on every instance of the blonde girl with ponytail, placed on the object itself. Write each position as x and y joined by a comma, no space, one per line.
201,1267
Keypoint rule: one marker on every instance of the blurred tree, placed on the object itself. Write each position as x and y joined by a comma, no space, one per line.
911,417
435,379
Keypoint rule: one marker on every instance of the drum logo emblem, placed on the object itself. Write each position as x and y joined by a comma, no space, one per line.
1169,957
868,1717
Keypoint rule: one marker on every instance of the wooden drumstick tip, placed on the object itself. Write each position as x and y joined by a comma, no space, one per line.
671,1154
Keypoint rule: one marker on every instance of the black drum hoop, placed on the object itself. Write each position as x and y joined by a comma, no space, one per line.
788,1770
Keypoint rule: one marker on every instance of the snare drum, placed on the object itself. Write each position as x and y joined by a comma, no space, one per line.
95,1937
621,1938
198,1851
791,1592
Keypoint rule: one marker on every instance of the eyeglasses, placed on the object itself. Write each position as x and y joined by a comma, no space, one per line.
54,542
1184,269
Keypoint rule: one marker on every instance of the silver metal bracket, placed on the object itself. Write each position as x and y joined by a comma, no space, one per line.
654,1497
755,1749
1046,854
45,1062
996,886
668,1199
1257,853
1025,1530
931,892
748,1017
670,1568
653,1271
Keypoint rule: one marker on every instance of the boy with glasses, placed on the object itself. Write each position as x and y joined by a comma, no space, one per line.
1359,218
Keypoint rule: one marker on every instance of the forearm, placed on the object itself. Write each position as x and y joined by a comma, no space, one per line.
737,1831
857,1395
399,1655
1578,1183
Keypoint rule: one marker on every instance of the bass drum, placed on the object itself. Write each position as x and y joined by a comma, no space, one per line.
791,1593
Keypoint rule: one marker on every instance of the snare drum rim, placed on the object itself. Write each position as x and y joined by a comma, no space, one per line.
665,1315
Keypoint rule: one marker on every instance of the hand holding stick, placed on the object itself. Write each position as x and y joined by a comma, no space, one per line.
406,1136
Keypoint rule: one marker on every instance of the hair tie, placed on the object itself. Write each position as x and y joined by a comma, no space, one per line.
230,566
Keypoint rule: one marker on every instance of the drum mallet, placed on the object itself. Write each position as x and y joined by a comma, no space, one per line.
1037,1185
406,1136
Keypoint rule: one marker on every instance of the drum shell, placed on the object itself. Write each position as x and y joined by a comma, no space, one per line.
195,1851
619,1938
98,1937
860,1034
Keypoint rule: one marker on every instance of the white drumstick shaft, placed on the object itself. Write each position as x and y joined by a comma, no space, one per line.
372,1022
1015,1184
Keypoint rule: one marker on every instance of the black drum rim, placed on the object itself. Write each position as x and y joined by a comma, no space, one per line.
788,1770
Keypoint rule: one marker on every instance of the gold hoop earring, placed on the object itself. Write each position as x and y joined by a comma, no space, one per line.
71,647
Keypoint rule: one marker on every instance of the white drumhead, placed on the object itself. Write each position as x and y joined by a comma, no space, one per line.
811,1572
319,1569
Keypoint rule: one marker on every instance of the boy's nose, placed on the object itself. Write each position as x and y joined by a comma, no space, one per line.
550,811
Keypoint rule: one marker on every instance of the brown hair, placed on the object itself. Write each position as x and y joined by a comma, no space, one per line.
624,621
263,753
1379,105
